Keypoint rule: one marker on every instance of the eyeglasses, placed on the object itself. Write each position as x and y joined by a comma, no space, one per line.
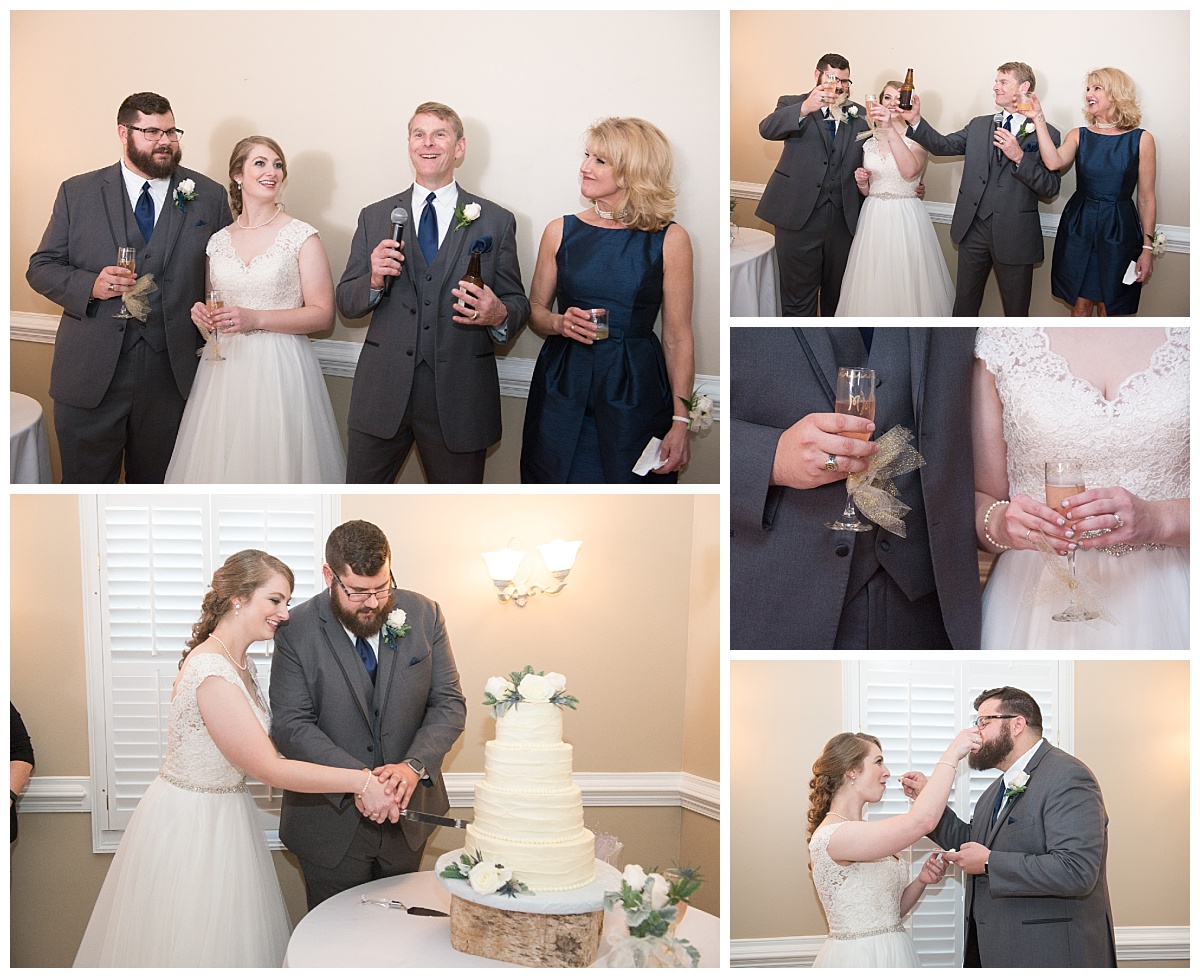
154,135
979,721
360,596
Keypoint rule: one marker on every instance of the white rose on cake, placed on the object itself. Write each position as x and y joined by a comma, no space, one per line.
488,877
537,689
499,688
557,680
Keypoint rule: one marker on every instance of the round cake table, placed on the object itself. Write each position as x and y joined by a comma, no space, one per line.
28,447
753,277
344,932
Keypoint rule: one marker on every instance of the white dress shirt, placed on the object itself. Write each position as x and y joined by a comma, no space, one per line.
133,187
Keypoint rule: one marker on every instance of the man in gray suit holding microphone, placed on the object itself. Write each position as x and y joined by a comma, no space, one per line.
427,371
1033,856
995,223
119,385
363,674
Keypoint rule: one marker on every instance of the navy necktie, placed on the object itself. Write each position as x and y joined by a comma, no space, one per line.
830,124
999,800
144,212
427,231
1008,123
367,654
866,332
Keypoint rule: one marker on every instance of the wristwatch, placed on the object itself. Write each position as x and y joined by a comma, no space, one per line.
417,766
985,867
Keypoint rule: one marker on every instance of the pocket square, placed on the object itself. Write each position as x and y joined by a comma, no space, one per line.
482,244
415,659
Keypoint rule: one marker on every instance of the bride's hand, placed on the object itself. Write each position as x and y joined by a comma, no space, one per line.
1131,519
966,741
862,176
235,319
201,317
1025,516
933,870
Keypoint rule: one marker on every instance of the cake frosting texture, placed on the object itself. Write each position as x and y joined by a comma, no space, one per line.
528,812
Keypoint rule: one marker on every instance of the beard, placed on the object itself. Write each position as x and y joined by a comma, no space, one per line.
993,751
364,623
157,163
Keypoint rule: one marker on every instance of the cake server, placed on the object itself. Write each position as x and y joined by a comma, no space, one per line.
454,823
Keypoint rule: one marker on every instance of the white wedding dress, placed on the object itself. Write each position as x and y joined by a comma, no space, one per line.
896,267
1139,441
862,906
261,415
192,884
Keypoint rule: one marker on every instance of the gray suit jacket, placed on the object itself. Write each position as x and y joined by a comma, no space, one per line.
87,226
787,579
794,187
1016,227
324,709
1044,900
467,386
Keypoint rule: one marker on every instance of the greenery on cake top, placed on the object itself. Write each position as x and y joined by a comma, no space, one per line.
526,686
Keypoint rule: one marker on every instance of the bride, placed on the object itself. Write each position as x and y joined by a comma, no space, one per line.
261,414
1116,399
192,884
862,884
896,266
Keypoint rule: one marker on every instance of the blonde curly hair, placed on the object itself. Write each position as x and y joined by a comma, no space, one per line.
642,161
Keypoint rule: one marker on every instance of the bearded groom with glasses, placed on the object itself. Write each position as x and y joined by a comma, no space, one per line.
363,674
1033,857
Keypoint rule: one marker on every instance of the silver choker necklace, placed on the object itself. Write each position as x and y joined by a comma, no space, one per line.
607,215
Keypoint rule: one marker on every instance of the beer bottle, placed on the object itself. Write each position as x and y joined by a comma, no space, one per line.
906,91
474,272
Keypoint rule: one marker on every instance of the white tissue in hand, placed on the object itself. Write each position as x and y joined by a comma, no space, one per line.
1130,274
650,458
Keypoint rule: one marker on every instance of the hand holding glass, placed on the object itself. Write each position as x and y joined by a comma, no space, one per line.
126,258
1064,479
856,396
215,301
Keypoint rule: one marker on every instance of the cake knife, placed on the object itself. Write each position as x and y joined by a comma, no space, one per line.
454,823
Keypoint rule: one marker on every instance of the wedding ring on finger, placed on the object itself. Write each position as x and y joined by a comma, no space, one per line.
831,463
1120,522
1028,535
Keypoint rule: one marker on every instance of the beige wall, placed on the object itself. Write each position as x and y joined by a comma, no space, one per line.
774,53
1131,728
634,632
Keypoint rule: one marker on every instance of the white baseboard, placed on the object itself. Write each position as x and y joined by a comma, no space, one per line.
339,358
1133,944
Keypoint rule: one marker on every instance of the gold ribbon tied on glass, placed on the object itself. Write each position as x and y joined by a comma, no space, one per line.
1087,593
874,493
136,299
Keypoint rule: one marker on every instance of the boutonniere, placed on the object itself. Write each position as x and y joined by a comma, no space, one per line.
185,191
1017,787
467,214
396,627
1027,129
849,112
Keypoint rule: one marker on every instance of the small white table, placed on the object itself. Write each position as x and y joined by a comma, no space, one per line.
28,446
753,274
344,932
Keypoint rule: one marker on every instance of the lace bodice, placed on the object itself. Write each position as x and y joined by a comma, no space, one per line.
1139,440
886,180
193,760
270,281
861,899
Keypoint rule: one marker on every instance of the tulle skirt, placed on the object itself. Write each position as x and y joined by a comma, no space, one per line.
192,885
1146,591
261,415
896,267
891,950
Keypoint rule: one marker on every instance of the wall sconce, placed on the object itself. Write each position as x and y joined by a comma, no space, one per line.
510,569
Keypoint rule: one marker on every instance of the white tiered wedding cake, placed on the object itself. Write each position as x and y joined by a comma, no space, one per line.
528,812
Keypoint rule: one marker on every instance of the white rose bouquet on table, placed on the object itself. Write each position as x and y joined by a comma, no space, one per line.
652,906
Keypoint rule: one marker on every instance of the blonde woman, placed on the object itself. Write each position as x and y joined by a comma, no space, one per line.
1102,232
862,884
594,403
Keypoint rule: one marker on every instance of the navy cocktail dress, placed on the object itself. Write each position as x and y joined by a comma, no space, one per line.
592,409
1100,232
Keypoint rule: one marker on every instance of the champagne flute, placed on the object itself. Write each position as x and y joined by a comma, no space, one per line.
126,258
856,396
1064,479
215,301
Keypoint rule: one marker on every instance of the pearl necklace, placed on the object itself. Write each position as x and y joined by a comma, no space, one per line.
225,649
842,817
607,215
245,227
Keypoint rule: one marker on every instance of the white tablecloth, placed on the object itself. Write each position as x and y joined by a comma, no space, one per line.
753,274
28,447
344,932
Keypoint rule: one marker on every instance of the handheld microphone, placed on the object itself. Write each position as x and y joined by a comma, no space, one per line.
998,122
399,219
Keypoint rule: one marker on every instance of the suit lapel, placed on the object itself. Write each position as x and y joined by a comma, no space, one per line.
1008,808
454,243
175,218
347,659
818,347
116,202
918,346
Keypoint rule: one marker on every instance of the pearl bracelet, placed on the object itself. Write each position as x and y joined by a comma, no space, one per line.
998,502
366,785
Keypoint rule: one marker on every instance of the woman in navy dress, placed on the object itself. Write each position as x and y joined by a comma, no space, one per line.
1101,231
594,404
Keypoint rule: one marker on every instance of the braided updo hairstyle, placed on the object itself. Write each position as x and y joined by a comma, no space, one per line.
843,753
239,577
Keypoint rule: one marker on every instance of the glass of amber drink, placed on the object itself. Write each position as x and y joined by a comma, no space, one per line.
855,395
1064,479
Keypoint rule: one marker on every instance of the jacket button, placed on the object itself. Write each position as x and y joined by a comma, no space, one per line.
885,545
408,353
842,549
370,750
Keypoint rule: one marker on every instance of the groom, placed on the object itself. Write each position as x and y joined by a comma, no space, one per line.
1033,857
995,223
794,584
351,689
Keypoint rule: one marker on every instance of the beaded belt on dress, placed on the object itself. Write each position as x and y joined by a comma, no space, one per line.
894,929
204,789
887,196
1121,549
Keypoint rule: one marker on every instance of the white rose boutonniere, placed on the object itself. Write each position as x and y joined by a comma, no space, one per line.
467,214
185,191
849,112
1017,787
396,627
